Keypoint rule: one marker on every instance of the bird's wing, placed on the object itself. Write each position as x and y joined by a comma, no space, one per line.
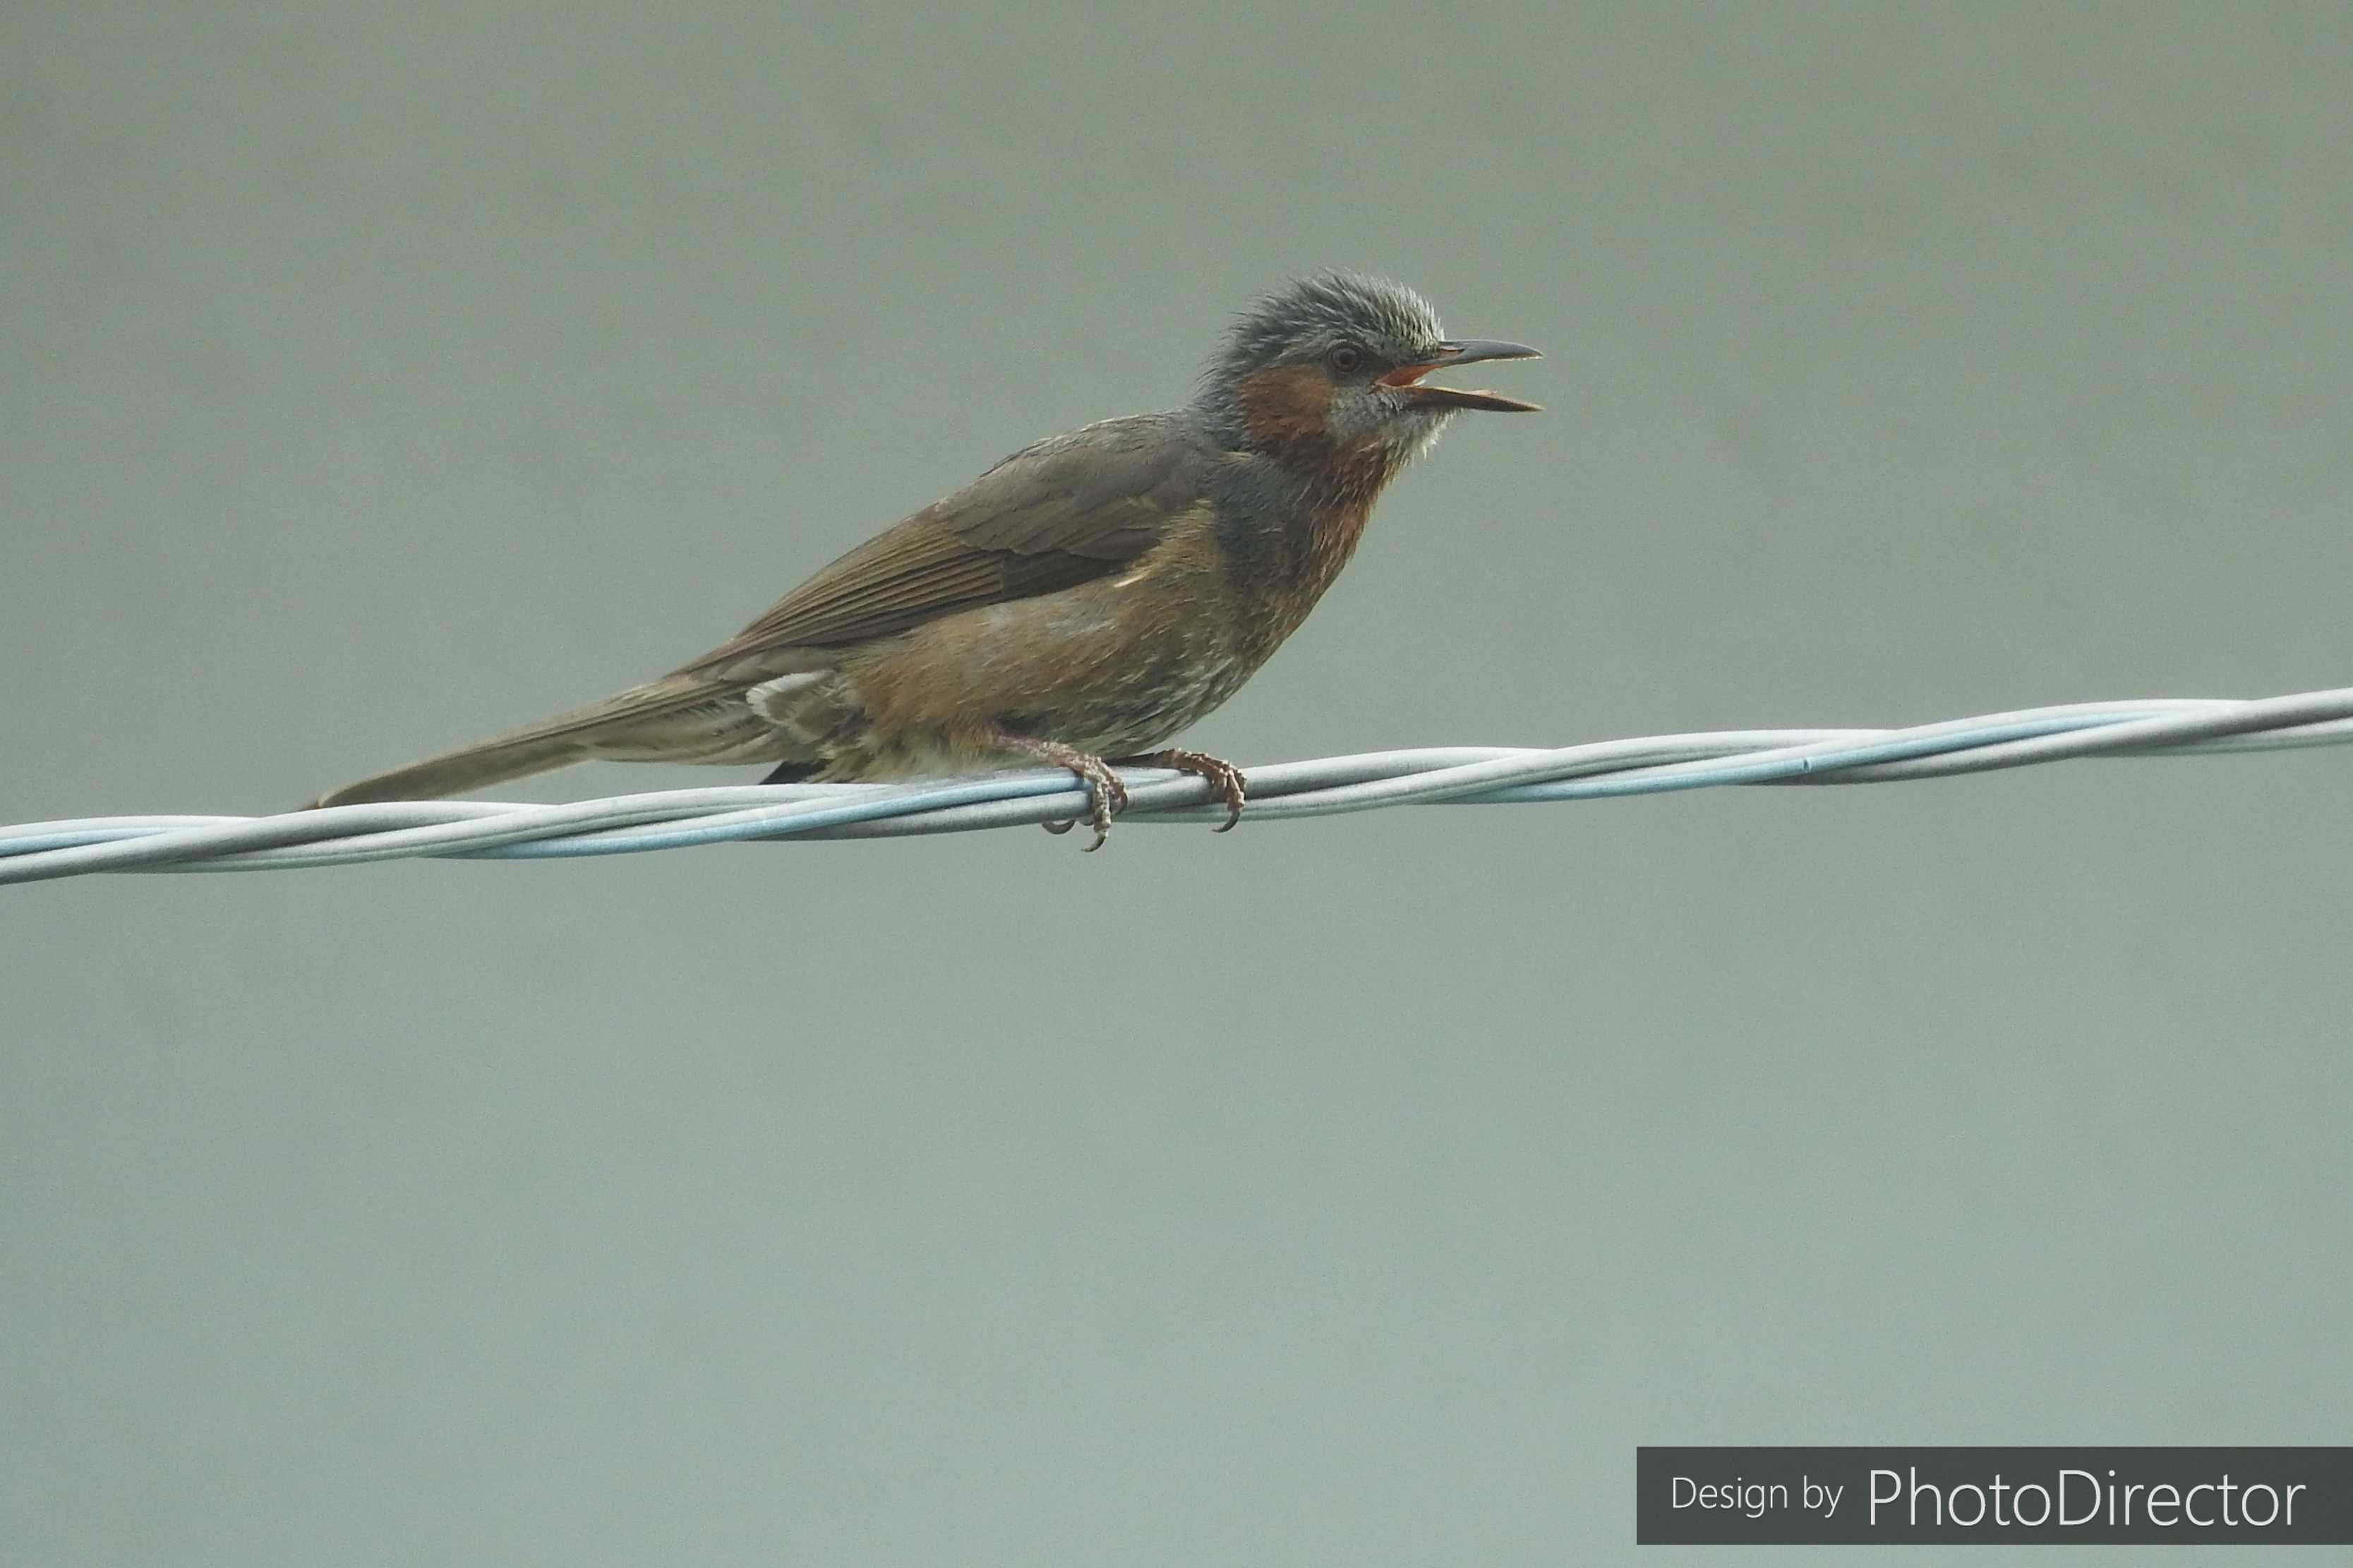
1050,517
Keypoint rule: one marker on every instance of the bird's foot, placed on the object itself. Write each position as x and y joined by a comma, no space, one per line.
1106,796
1226,781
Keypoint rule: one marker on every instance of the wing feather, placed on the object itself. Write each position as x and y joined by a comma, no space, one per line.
1053,516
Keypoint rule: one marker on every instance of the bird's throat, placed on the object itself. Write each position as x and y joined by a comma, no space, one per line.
1284,417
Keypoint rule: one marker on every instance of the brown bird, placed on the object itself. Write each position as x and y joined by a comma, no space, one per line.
1079,603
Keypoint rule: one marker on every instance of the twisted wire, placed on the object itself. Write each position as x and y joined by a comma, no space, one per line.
1459,776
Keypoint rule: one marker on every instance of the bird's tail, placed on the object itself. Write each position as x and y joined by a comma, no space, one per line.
468,768
676,718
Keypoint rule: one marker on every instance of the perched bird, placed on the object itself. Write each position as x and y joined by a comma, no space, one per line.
1079,603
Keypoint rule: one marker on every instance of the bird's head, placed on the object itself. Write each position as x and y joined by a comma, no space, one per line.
1332,366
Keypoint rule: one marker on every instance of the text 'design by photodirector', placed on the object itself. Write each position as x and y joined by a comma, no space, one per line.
1892,1495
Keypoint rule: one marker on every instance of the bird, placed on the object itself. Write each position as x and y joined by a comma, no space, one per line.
1078,605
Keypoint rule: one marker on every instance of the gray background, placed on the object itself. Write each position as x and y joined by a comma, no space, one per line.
1359,1191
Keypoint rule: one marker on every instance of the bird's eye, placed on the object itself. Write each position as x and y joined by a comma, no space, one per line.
1345,358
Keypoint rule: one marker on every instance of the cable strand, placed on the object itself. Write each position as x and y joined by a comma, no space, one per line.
1324,786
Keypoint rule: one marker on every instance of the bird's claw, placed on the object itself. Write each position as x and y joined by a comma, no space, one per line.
1226,782
1106,796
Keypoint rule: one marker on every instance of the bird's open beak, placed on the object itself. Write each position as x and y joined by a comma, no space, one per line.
1467,350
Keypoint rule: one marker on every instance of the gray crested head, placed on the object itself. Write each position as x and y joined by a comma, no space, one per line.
1309,315
1335,360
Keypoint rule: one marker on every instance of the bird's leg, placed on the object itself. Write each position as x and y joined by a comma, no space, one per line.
1106,796
1226,781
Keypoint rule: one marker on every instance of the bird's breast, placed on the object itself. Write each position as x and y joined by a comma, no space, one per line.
1281,559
